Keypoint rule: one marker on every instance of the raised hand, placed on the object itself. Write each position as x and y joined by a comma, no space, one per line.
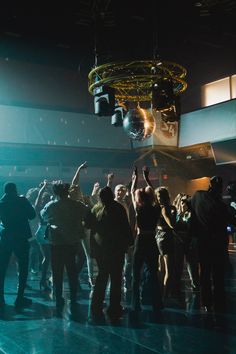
83,165
45,183
145,171
76,177
135,173
134,182
110,176
58,181
96,188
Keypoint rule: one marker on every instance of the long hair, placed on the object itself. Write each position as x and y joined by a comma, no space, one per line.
181,199
163,194
177,201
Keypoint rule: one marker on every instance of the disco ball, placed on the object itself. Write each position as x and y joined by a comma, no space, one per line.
139,124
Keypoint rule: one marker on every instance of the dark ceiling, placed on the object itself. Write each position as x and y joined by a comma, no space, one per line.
197,34
200,35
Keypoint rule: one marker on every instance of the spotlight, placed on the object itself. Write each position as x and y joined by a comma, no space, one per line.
117,117
162,94
104,100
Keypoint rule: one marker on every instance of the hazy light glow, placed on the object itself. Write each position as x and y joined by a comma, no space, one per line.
216,92
233,86
149,122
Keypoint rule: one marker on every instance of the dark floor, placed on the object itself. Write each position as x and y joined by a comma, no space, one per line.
180,329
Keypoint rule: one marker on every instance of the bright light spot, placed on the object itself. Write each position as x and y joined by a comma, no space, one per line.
216,92
233,88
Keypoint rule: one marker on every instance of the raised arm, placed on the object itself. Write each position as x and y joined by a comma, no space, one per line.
134,184
39,196
145,171
95,193
110,178
169,214
75,180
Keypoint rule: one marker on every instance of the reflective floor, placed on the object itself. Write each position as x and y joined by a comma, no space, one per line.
181,328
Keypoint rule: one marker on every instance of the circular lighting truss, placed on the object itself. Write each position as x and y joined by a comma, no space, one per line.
133,81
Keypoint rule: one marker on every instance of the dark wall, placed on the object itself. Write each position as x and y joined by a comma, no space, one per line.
34,85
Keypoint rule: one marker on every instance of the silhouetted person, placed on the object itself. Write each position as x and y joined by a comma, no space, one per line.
65,218
15,213
145,248
167,223
186,248
110,237
211,217
42,199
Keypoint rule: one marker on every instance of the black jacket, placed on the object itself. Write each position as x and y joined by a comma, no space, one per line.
15,213
210,215
111,232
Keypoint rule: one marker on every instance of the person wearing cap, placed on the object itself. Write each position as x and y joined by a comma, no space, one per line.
15,213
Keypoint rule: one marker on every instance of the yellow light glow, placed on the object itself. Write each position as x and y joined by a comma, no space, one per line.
149,121
196,184
233,86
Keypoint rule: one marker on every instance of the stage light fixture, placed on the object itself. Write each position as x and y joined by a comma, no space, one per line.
104,101
162,94
151,84
117,117
173,114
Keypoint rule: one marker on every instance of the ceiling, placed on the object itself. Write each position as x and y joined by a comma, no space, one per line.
197,34
200,35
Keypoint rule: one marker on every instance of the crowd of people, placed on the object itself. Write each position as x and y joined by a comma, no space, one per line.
131,238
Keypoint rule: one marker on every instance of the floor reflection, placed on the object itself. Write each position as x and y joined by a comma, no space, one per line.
180,328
